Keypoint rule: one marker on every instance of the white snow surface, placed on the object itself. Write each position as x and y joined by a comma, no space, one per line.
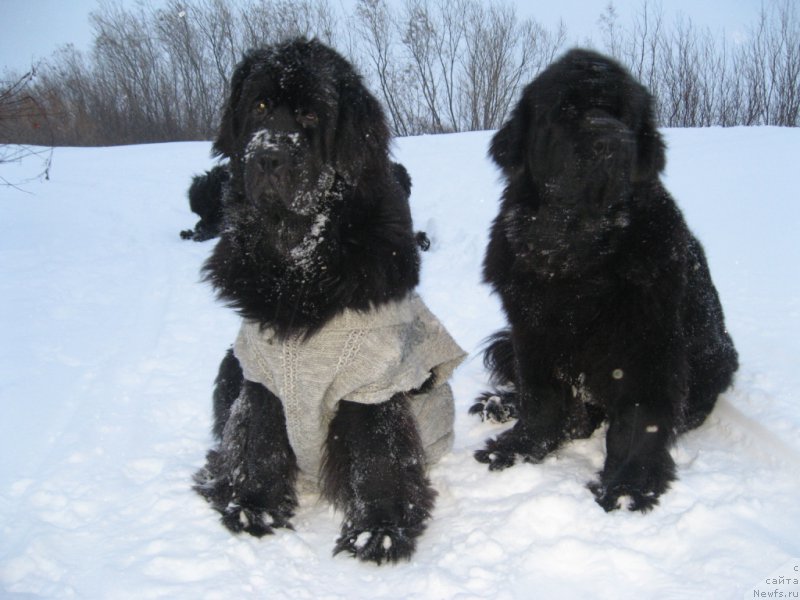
111,344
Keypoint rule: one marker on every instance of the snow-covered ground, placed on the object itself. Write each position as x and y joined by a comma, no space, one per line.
110,345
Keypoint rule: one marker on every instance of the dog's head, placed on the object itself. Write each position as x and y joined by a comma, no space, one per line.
584,129
315,221
576,146
298,117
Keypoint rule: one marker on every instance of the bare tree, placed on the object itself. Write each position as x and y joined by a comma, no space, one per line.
217,26
18,105
608,21
642,49
784,63
502,54
680,77
437,65
374,23
421,37
451,41
730,90
699,78
270,21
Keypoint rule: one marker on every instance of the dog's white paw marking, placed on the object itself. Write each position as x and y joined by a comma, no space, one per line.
244,519
362,539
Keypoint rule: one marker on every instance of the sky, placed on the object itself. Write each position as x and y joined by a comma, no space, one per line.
31,30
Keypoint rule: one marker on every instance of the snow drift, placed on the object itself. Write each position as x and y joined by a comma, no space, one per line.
111,344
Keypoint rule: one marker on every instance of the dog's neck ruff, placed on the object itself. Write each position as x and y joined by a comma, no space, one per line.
364,357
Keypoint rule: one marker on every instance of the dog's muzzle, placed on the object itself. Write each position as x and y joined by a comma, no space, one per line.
280,172
270,167
274,170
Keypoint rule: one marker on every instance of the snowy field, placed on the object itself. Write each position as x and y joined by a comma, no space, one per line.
110,345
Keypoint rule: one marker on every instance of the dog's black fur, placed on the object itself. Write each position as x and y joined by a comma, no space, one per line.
611,309
206,194
304,137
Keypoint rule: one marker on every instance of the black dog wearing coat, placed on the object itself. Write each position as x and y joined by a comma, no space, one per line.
611,309
339,372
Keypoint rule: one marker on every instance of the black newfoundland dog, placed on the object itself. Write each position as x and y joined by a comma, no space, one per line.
611,309
338,378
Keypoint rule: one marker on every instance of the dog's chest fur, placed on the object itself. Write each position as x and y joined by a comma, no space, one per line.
592,288
556,240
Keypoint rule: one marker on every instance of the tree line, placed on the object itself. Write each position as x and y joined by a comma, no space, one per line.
161,74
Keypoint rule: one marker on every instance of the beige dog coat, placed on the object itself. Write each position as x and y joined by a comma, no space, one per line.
364,357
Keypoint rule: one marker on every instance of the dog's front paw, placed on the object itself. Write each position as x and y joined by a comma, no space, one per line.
385,543
634,486
620,496
242,512
498,407
256,521
496,455
514,445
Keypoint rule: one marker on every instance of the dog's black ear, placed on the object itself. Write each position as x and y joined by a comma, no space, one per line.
402,177
362,133
651,158
507,148
229,127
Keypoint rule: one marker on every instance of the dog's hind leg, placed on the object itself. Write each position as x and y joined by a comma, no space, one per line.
374,471
711,375
250,477
712,356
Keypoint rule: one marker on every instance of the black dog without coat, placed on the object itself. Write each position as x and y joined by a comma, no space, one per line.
339,372
206,194
611,309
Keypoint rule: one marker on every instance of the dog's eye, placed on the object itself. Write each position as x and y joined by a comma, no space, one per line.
262,106
307,118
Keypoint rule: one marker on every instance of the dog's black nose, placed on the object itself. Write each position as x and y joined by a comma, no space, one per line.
612,147
602,148
270,161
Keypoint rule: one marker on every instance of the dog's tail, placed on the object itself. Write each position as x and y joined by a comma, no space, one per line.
500,404
498,358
